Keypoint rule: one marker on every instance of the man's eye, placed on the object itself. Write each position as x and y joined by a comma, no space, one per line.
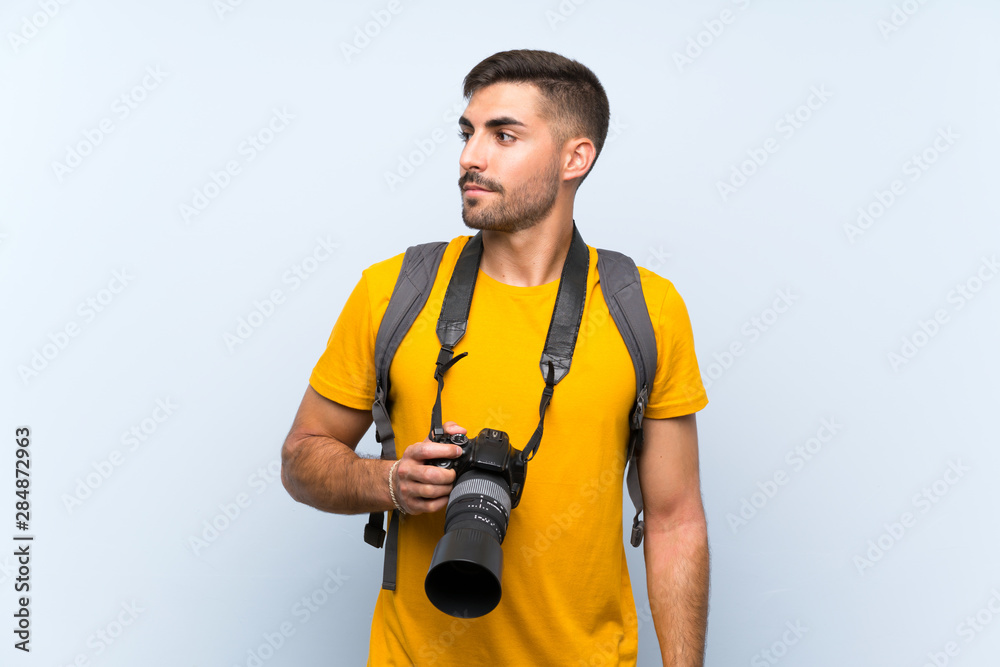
503,136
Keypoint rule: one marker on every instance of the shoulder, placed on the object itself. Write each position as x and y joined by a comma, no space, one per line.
667,310
380,277
660,294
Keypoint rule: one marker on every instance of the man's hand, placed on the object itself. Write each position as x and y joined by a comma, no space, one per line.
422,488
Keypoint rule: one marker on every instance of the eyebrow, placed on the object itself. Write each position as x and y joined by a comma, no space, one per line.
494,122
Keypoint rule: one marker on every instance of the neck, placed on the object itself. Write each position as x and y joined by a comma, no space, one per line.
528,257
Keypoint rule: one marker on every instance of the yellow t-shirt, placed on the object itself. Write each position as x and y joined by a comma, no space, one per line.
567,597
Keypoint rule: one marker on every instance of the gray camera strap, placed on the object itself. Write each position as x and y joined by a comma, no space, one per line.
622,289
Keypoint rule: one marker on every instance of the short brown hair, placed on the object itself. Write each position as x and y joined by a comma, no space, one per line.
575,103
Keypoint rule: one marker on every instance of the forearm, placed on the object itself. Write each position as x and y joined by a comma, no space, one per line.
328,475
677,576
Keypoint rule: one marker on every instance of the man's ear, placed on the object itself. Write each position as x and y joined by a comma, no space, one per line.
579,154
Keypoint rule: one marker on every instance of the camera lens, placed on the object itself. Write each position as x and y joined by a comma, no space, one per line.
464,576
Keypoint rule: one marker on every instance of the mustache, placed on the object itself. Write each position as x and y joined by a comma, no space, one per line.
475,179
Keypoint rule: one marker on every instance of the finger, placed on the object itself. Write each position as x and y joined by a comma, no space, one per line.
418,491
453,428
428,449
435,476
420,504
416,472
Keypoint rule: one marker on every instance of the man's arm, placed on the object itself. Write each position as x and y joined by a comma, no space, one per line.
320,468
675,545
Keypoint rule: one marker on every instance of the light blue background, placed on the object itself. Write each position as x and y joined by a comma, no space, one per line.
678,130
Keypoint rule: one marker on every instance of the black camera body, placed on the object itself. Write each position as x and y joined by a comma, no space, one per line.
490,452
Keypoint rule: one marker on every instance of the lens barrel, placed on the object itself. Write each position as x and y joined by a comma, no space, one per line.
464,576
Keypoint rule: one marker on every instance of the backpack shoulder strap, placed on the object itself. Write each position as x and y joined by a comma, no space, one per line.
413,286
622,289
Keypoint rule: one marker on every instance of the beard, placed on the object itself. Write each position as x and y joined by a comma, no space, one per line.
521,208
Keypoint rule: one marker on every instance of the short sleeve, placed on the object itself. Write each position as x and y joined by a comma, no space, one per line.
345,373
677,388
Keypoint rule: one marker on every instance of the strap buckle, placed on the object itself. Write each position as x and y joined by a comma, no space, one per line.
442,363
638,529
640,408
374,532
381,415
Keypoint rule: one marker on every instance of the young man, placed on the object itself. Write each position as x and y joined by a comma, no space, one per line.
534,125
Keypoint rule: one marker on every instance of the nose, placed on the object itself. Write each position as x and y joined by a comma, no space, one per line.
473,156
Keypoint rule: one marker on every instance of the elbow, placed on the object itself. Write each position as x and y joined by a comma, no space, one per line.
689,521
290,451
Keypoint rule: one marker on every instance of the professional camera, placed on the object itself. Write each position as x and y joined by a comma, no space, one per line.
464,576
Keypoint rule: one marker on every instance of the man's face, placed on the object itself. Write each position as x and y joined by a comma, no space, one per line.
509,151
